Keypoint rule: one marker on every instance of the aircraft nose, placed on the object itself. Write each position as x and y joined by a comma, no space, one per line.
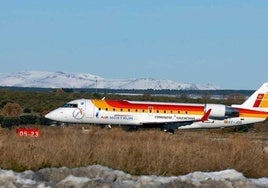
56,115
49,115
53,115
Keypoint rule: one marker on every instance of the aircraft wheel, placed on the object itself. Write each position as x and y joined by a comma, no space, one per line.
170,131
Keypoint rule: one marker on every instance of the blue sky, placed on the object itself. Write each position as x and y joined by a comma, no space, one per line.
220,42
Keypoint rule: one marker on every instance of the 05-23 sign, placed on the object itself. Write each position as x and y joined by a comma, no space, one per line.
28,132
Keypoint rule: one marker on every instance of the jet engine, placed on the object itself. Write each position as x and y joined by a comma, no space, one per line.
220,111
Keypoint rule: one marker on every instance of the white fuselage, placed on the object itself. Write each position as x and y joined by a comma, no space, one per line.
86,111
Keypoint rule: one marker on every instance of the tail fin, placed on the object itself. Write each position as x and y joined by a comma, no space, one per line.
258,100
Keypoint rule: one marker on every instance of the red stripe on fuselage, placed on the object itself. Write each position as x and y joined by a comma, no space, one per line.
252,113
158,106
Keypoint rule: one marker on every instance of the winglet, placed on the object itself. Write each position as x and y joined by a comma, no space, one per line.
206,115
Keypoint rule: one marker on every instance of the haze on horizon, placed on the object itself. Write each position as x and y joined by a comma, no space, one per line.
219,42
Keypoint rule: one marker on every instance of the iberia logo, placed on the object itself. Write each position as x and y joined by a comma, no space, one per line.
261,100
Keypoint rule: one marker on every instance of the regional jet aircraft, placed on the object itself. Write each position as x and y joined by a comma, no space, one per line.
168,116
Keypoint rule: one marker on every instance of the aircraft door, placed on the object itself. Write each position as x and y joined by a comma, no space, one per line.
89,109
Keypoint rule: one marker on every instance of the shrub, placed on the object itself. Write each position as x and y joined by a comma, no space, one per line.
12,109
28,119
8,122
27,110
1,119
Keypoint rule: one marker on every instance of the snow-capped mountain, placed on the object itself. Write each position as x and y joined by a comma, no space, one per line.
85,80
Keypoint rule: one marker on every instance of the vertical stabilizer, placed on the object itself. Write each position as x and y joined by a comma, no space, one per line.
258,100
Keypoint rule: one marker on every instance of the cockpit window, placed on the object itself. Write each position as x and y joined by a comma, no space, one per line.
70,105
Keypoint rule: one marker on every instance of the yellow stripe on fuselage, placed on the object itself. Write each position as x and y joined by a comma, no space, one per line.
100,104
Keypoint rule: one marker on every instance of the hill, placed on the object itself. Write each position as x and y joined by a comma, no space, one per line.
41,79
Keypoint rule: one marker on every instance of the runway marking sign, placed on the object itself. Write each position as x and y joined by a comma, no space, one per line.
28,132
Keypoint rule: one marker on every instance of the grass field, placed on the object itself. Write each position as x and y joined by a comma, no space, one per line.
139,152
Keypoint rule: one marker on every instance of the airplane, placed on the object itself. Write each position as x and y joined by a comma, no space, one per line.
167,116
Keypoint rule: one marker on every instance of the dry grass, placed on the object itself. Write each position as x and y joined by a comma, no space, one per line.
140,152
